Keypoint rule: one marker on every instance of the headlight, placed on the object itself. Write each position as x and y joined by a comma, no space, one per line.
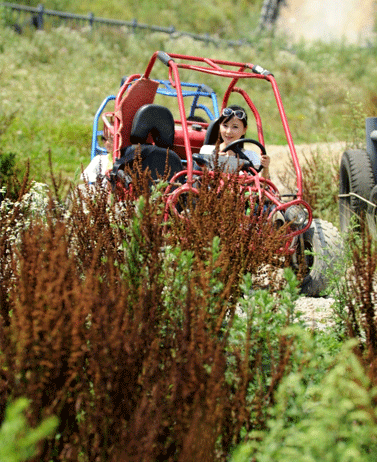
296,215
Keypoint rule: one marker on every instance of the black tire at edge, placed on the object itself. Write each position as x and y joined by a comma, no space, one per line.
372,213
356,176
324,240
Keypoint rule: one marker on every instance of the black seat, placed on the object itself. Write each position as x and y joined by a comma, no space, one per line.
157,121
212,133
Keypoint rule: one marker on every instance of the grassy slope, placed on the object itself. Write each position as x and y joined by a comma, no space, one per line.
223,17
54,81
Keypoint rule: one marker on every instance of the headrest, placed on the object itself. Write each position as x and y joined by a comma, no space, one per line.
155,120
212,133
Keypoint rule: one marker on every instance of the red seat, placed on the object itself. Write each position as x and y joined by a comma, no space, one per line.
139,92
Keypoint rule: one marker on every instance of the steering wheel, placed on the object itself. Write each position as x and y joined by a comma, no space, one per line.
235,146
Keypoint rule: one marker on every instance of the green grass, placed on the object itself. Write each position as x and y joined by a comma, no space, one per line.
224,18
55,80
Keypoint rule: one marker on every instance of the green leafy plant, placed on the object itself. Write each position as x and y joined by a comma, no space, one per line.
7,160
18,441
354,120
334,420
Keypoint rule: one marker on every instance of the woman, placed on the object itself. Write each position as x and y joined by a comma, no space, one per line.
232,127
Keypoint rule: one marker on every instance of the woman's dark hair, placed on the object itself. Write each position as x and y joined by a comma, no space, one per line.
225,119
234,107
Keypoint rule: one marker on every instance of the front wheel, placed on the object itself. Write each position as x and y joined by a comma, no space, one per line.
317,251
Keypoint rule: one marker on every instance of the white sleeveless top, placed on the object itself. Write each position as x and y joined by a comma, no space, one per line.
251,155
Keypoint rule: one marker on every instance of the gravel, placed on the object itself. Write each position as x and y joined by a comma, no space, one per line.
317,312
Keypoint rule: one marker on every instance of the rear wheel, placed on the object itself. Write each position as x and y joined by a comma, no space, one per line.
356,179
318,249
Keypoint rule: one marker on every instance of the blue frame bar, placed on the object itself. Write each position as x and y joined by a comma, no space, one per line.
167,90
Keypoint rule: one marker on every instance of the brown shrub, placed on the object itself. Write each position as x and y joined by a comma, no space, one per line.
128,348
359,298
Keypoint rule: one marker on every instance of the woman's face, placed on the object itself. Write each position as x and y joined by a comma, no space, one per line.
232,130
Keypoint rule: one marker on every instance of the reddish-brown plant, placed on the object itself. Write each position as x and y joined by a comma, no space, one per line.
96,331
360,296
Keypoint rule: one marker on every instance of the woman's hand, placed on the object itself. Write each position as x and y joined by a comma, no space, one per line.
265,161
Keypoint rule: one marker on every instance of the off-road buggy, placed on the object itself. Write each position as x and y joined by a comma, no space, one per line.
140,124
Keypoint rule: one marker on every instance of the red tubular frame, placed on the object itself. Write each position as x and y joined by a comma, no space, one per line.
234,71
117,104
216,67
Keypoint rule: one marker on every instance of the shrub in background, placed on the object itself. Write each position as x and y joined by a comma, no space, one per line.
8,182
320,181
354,119
320,175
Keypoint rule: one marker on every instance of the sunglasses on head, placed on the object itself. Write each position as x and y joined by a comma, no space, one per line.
239,113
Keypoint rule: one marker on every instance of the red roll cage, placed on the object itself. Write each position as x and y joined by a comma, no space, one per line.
228,69
140,89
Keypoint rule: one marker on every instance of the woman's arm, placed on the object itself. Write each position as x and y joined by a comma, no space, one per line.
265,161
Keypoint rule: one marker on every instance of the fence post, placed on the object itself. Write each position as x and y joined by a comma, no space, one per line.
40,17
91,19
134,25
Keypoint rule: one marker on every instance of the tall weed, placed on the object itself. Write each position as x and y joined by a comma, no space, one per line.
320,180
126,330
356,301
354,119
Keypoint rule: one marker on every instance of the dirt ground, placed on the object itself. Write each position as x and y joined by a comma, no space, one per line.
317,312
280,156
328,20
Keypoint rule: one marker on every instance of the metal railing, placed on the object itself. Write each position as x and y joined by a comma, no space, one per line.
39,14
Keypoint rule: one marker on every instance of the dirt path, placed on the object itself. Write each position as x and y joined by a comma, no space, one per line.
316,311
280,156
328,20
